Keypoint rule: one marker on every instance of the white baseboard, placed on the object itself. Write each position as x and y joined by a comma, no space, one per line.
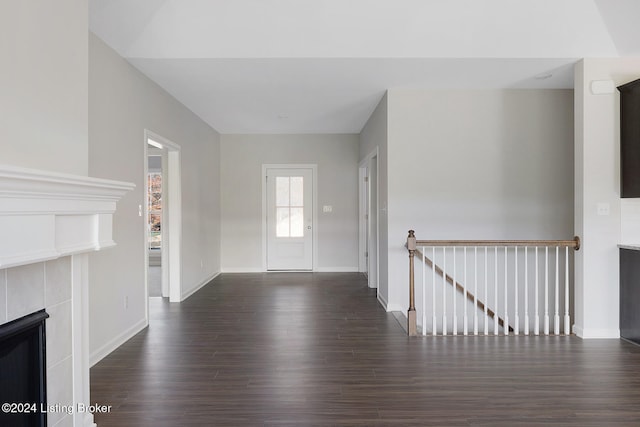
242,270
200,285
317,270
382,302
595,333
401,318
337,270
125,336
401,309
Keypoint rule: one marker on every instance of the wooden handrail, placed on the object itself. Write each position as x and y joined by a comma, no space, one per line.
575,243
470,296
413,244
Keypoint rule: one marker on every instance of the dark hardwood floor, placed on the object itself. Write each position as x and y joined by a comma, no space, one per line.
298,349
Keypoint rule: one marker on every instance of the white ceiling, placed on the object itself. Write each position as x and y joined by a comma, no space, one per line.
321,66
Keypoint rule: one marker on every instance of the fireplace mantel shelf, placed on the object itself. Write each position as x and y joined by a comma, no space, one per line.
46,215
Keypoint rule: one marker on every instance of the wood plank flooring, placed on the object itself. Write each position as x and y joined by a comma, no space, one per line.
316,349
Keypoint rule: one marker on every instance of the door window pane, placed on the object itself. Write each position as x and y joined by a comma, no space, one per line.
297,222
282,191
297,191
155,231
282,222
154,204
289,206
155,182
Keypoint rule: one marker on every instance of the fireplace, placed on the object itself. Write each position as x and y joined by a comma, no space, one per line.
49,223
23,371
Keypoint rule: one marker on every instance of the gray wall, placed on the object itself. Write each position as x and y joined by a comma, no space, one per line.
43,125
374,135
241,170
493,164
43,84
122,103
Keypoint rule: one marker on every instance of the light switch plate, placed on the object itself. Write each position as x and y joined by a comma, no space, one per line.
603,209
327,208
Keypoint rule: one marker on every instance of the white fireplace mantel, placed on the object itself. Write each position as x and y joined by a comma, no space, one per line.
46,215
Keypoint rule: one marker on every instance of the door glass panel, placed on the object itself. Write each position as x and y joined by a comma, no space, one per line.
155,182
155,235
297,191
154,200
297,222
289,206
282,222
282,191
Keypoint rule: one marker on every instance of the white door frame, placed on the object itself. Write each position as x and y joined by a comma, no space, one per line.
172,217
363,175
371,268
314,210
373,228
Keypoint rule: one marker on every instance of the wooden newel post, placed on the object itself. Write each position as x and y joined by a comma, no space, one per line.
412,326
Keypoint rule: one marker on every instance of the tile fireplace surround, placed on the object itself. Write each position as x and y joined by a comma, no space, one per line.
48,224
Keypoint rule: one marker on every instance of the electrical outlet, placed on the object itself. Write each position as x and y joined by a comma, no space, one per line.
201,264
327,208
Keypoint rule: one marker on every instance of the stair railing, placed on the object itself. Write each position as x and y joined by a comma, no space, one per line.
508,282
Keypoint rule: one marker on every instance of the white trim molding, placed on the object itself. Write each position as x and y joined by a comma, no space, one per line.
383,302
122,338
596,333
234,270
337,270
47,215
199,286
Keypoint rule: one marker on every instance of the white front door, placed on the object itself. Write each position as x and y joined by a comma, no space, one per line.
289,219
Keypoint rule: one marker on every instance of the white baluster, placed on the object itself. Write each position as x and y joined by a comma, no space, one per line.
556,312
536,318
464,285
526,291
506,295
495,291
453,294
444,291
546,290
567,320
434,320
475,290
424,291
486,295
516,318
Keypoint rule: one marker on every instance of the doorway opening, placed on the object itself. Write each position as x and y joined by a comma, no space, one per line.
157,287
163,218
368,201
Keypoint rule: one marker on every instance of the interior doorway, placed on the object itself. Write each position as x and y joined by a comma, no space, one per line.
368,195
158,284
163,218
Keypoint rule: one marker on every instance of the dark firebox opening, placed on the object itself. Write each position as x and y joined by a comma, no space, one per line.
23,388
